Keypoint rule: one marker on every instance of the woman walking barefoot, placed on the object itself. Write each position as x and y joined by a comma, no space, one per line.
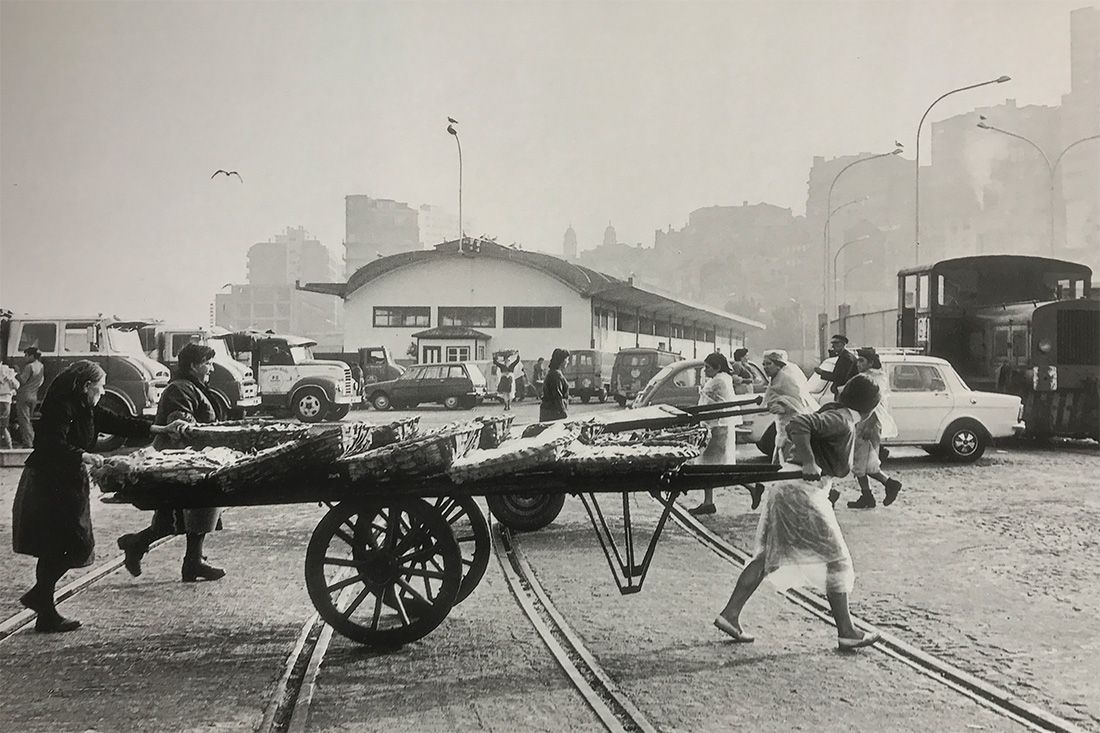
798,540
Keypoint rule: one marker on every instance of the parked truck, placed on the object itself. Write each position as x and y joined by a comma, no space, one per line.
232,386
369,364
290,379
134,382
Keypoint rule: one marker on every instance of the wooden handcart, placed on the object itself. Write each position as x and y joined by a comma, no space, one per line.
388,560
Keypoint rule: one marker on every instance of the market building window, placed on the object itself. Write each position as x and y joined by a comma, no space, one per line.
470,316
396,316
532,317
626,322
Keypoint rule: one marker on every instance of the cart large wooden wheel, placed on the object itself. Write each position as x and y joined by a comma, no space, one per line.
383,572
471,531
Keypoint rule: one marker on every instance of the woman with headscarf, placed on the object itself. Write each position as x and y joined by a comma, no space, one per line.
869,434
555,389
186,399
798,540
787,395
51,514
722,445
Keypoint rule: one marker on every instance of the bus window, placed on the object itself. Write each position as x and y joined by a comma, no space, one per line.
1019,342
939,290
922,292
910,294
1000,341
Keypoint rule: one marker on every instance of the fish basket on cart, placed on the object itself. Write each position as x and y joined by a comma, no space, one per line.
496,430
695,436
309,457
424,455
396,431
597,460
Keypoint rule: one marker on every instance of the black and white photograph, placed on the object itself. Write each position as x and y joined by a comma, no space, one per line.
549,365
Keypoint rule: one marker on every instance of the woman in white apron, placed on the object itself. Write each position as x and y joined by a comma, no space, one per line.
787,395
869,434
722,446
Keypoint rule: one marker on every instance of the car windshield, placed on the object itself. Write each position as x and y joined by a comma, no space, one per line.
651,385
301,354
221,350
125,341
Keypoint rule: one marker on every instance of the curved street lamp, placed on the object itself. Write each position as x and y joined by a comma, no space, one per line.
916,164
451,129
829,208
840,249
1052,168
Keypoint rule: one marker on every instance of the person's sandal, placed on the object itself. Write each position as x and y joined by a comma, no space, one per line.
731,631
847,645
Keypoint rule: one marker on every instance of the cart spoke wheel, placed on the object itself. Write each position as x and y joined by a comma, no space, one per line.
383,573
472,533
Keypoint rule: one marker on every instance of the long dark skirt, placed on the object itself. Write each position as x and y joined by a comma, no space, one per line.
52,517
187,521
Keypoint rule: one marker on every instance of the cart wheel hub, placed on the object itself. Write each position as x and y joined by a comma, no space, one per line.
379,567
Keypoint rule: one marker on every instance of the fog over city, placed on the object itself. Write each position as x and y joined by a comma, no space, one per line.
115,115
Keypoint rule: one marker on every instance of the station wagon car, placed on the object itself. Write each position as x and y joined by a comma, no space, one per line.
932,406
455,385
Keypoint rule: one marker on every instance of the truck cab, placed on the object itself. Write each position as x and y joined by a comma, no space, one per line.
290,379
134,382
232,384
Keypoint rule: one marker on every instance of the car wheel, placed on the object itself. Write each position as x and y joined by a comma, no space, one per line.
766,444
621,400
964,441
526,512
452,403
311,404
338,412
381,401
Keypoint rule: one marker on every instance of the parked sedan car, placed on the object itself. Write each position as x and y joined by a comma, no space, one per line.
932,406
455,385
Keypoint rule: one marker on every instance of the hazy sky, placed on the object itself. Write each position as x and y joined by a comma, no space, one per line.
114,115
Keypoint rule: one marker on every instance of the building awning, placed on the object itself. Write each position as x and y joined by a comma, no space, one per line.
653,302
452,332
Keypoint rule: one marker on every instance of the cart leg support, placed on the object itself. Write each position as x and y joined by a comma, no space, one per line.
628,573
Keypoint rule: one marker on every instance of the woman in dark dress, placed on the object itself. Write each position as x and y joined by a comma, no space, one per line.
51,514
555,390
184,399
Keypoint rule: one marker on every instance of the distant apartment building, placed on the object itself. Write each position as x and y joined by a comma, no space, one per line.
436,225
1079,171
377,228
269,301
569,244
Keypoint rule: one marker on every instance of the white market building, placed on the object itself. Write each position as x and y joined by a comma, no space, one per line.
452,304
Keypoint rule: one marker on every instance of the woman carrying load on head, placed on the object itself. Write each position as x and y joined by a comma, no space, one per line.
722,445
185,398
555,389
506,384
798,540
787,395
51,514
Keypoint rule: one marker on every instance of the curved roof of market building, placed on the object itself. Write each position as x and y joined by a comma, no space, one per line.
585,281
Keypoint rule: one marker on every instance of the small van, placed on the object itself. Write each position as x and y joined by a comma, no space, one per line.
589,374
634,368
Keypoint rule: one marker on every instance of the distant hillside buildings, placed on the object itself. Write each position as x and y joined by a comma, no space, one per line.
376,228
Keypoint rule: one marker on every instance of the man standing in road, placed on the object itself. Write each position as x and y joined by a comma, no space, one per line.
845,366
8,385
26,397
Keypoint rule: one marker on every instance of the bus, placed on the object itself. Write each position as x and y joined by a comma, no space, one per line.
1063,397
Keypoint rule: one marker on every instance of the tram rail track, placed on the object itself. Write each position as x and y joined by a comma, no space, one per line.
607,701
986,694
21,620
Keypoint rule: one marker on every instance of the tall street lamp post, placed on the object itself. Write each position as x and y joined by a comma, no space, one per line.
451,129
840,249
1052,168
829,209
916,164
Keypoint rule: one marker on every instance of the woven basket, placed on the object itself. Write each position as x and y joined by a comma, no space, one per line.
304,457
495,430
582,460
121,473
425,455
513,456
357,437
695,436
247,437
396,431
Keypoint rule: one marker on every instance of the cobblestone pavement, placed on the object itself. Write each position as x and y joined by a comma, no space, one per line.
993,567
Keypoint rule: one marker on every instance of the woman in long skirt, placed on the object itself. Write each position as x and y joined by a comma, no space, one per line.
798,540
722,446
51,514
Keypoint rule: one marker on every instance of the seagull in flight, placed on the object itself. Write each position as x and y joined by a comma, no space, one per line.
228,173
898,145
452,120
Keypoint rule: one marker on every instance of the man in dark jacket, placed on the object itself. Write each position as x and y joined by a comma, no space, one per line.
844,368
